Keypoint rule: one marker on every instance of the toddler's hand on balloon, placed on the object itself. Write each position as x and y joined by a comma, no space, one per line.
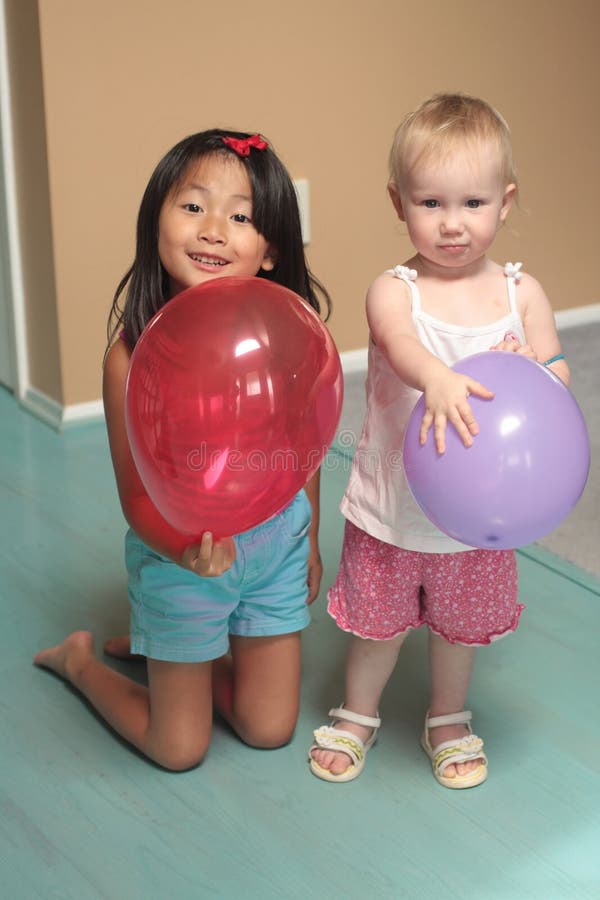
209,558
446,401
511,344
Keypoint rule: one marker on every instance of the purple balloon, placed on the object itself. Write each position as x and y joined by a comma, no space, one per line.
527,467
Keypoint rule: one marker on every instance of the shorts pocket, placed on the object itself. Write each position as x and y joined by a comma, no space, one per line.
296,518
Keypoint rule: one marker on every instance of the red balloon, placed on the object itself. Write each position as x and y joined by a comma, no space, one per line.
233,398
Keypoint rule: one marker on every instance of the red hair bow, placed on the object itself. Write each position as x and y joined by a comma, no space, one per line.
242,145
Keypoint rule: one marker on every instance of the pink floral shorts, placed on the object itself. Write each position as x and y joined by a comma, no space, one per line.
381,591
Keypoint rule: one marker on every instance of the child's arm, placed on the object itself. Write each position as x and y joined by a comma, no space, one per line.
445,391
205,557
540,329
315,566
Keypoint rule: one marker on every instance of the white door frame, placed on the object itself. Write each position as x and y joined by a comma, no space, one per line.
10,252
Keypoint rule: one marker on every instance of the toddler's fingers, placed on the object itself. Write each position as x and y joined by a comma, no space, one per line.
426,423
465,424
439,433
529,352
467,418
480,390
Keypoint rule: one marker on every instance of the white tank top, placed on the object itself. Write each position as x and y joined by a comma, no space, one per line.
377,497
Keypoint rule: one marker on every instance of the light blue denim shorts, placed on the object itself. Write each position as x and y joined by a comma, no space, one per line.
179,616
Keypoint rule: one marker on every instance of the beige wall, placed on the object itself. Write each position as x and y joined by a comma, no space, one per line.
326,81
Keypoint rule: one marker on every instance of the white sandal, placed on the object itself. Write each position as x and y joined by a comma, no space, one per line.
448,753
329,738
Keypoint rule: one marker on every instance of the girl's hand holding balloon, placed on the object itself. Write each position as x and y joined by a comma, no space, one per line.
209,558
446,401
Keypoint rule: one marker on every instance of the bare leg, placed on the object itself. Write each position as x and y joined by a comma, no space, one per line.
369,665
257,688
451,667
120,647
170,721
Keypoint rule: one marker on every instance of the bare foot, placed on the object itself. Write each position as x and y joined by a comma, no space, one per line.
453,733
335,761
120,648
67,659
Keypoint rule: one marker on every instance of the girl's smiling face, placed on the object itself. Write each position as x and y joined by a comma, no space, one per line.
205,227
454,207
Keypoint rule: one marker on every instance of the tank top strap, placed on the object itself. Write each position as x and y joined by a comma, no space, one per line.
409,276
513,274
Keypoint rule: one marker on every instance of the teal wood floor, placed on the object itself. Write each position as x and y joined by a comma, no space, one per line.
82,816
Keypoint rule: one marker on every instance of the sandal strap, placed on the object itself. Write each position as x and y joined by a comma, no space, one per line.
327,738
346,715
460,718
449,753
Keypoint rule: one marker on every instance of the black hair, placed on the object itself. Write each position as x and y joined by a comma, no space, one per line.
275,215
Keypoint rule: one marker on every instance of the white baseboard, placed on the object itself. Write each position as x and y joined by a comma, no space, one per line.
354,360
43,407
580,315
83,413
58,416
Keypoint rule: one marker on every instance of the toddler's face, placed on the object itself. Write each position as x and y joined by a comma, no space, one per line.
205,227
453,207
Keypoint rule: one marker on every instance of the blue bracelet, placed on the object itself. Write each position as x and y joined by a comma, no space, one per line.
554,359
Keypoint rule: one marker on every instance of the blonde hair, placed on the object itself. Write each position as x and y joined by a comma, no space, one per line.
444,124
